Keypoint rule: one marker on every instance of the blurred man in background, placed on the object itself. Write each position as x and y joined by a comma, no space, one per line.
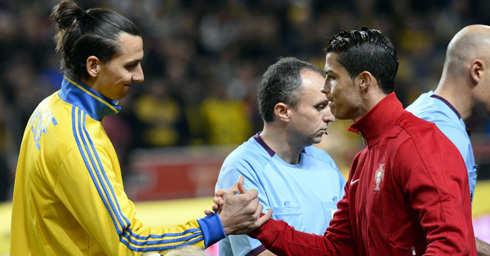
464,81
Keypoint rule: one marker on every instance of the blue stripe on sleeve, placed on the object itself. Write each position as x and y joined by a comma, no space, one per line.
157,242
160,248
76,123
96,169
193,230
103,186
107,186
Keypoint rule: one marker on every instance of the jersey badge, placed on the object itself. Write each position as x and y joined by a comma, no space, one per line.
378,176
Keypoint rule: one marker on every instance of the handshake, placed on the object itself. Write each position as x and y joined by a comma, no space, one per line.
239,214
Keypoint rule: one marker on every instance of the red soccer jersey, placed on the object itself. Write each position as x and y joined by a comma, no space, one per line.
407,194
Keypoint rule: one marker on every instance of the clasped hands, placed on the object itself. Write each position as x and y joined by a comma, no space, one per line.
239,214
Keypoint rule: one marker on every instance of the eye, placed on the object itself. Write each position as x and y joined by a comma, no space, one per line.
131,66
321,106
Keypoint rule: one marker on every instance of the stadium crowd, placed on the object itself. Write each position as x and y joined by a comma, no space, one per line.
203,60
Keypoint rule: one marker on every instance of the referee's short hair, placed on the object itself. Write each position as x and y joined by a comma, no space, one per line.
280,83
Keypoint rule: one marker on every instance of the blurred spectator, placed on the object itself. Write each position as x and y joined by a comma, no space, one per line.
225,119
160,115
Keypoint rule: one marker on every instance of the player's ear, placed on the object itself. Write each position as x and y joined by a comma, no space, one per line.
477,71
281,111
93,66
364,80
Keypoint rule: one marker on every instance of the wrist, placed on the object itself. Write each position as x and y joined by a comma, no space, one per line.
212,229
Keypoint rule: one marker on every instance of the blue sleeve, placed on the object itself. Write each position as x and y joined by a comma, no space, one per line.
212,229
342,185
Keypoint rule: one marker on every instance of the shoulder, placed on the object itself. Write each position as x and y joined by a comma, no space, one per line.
248,160
249,150
318,154
248,157
421,103
412,124
322,156
433,110
423,136
410,131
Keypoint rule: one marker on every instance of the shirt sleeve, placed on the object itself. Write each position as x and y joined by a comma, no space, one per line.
90,189
436,183
282,239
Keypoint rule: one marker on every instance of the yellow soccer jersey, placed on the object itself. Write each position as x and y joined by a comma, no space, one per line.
68,194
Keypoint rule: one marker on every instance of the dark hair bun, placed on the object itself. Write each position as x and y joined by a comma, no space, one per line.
65,13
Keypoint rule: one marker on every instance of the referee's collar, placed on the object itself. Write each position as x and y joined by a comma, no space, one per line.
447,103
266,147
92,102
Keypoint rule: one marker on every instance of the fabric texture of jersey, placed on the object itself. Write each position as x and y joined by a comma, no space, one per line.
304,194
448,120
68,195
407,194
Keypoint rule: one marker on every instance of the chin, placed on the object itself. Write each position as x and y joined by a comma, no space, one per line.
317,140
122,95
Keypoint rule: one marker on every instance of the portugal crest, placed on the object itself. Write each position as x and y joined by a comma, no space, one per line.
378,176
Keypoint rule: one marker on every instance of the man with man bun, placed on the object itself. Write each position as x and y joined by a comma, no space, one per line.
69,197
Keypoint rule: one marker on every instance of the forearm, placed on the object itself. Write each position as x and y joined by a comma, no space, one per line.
281,239
111,221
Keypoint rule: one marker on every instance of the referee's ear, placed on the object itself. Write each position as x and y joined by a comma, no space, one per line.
477,71
282,111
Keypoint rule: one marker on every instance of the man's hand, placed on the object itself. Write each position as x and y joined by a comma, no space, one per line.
239,214
218,202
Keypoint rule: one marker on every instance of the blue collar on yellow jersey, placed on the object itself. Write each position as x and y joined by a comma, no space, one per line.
93,103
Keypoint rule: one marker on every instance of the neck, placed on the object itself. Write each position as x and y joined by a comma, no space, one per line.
281,143
371,99
457,93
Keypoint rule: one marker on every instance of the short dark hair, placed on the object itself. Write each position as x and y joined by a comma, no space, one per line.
81,34
280,83
367,50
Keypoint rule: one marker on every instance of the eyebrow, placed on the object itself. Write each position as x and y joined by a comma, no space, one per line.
133,61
